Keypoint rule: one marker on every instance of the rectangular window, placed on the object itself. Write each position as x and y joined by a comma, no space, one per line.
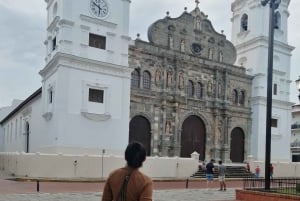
275,89
97,41
96,95
274,123
50,96
53,44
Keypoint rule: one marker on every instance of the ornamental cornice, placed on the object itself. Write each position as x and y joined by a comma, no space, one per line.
75,62
53,24
98,21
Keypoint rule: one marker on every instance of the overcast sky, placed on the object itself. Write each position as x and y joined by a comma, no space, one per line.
23,31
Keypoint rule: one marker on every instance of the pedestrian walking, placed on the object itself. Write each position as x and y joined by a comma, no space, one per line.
222,170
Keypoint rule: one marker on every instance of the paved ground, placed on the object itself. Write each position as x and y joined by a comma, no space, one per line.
92,191
159,195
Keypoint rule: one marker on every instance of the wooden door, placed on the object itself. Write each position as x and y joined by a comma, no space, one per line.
193,137
237,144
140,131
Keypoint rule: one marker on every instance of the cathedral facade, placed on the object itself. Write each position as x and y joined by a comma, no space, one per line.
186,94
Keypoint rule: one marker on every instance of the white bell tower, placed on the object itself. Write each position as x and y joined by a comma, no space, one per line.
250,31
86,80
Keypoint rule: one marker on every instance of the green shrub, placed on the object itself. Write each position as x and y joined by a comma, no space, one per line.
298,188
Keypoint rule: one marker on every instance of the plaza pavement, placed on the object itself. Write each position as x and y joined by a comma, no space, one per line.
167,190
158,195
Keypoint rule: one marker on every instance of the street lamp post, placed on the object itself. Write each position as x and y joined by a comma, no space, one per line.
298,86
274,4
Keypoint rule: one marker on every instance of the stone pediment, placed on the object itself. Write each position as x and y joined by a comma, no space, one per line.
192,33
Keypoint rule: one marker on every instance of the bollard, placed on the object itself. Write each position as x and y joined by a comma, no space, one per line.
187,183
37,185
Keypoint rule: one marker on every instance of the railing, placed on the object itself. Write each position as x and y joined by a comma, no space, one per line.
287,186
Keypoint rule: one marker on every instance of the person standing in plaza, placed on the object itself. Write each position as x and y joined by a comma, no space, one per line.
271,171
210,173
128,183
257,171
222,170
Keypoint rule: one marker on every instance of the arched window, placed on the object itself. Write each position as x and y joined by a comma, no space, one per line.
244,22
190,89
242,98
277,22
146,80
235,97
135,78
199,90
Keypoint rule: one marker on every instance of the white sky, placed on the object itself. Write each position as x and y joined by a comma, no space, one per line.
23,31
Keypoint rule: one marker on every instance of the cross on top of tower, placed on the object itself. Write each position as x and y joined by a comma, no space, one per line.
197,3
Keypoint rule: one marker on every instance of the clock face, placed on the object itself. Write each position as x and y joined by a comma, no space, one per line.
99,8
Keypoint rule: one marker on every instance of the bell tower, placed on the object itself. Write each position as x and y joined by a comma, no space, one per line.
86,80
250,32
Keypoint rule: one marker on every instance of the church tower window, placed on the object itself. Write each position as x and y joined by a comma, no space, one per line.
199,90
275,89
54,44
96,95
97,41
235,98
190,89
135,78
242,98
146,80
244,23
277,22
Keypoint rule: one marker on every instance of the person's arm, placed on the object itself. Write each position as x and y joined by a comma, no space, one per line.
146,194
107,194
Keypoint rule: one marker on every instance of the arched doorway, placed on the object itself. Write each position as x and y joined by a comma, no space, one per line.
140,131
193,137
237,144
27,131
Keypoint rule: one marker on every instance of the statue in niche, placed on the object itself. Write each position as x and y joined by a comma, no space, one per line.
218,132
181,81
221,56
210,53
219,90
198,24
168,128
169,78
171,43
209,88
182,44
157,76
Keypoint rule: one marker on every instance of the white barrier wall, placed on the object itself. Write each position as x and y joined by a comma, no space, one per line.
89,166
281,169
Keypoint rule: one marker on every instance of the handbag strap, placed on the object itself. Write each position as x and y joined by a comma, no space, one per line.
122,192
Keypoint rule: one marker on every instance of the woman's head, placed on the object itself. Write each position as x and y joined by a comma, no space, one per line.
135,154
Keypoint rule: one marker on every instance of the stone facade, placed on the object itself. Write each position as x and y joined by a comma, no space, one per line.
186,70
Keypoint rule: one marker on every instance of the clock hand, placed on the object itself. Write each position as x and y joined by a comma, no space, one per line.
96,5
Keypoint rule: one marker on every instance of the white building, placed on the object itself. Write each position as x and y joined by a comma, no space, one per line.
295,137
250,31
86,80
85,83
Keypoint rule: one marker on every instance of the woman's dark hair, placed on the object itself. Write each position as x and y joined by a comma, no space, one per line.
135,154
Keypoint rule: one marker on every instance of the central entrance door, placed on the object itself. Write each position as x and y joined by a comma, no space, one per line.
140,131
237,144
193,136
